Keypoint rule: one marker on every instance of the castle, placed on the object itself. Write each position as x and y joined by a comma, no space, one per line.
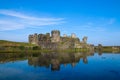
55,41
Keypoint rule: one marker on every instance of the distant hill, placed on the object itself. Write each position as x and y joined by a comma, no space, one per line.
12,43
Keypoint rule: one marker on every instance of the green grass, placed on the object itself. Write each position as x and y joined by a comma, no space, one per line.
109,49
11,43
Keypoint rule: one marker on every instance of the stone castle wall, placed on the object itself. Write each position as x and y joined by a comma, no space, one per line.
55,41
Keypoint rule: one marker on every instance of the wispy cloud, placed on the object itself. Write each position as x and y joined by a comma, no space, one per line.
106,21
13,20
99,25
95,29
90,27
111,21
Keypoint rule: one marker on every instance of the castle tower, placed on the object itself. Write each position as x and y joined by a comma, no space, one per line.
55,36
33,39
73,35
30,38
84,39
64,35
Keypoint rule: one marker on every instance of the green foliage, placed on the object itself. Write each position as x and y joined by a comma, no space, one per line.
15,46
2,48
21,47
36,48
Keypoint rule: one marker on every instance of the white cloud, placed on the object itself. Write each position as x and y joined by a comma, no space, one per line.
10,25
12,20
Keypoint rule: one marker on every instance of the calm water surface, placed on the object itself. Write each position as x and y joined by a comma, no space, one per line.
60,66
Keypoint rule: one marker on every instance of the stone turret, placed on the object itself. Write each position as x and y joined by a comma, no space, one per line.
55,36
33,39
73,35
64,35
84,39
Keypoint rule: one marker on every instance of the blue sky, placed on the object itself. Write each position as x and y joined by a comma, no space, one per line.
97,19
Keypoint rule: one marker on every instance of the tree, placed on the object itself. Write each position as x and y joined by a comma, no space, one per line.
21,47
36,48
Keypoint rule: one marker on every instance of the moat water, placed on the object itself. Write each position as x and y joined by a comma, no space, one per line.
60,66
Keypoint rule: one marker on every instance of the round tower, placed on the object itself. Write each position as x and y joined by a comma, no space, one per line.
84,39
73,35
55,36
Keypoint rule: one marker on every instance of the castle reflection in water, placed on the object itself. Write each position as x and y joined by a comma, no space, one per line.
51,60
54,60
